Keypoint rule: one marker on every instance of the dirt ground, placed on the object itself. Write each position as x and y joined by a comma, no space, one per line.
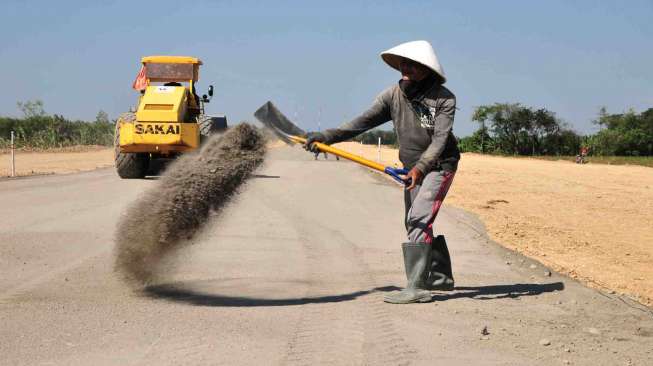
293,272
591,222
62,161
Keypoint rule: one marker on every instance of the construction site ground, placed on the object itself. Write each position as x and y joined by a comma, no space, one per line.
57,161
590,222
295,270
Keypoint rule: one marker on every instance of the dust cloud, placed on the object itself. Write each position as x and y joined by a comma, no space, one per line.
167,216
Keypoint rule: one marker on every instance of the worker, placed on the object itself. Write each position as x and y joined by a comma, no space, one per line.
422,111
317,153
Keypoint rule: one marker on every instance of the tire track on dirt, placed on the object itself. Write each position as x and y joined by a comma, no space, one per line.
383,344
325,334
345,330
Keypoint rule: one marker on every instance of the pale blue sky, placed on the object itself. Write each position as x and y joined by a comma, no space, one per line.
571,57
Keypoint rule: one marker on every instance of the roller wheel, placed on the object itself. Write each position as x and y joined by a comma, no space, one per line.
129,165
210,125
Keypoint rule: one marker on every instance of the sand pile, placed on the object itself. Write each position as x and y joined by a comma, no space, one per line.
168,215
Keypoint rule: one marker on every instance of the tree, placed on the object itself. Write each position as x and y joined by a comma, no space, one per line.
520,130
479,142
31,108
40,130
628,133
102,117
508,125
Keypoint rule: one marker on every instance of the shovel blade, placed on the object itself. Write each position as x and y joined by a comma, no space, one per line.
272,118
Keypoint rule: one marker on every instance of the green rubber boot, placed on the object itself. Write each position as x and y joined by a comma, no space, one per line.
439,276
416,259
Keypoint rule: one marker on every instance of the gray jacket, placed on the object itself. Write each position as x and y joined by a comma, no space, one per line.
423,127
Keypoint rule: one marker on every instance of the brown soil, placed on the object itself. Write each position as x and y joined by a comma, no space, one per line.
65,160
588,221
592,222
57,161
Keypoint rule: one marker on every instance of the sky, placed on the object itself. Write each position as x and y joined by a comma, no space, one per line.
319,61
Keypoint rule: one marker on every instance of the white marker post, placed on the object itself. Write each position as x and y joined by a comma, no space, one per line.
13,156
379,151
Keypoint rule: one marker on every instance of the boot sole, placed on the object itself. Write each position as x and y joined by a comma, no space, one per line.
422,299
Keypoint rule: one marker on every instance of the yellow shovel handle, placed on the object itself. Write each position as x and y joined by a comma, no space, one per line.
341,153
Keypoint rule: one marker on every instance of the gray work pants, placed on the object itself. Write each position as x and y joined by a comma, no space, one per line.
423,204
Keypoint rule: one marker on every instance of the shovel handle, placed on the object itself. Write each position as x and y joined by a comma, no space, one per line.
393,172
396,174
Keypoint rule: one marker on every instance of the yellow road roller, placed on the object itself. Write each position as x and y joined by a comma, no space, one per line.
169,119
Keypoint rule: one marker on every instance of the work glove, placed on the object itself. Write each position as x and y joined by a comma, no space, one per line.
311,139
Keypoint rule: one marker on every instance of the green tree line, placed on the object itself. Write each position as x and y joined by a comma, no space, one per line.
504,128
37,129
520,130
626,134
515,129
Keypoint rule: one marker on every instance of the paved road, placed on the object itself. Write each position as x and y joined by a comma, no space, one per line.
292,273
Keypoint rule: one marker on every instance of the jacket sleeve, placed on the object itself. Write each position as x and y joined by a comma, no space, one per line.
442,128
376,115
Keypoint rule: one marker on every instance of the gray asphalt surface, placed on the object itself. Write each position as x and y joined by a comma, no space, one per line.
293,273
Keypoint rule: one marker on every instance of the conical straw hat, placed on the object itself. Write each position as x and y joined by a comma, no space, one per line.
418,51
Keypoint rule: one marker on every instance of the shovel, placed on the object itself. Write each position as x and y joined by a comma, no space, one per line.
288,132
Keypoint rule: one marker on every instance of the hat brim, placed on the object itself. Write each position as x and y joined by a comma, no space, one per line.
395,60
392,60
